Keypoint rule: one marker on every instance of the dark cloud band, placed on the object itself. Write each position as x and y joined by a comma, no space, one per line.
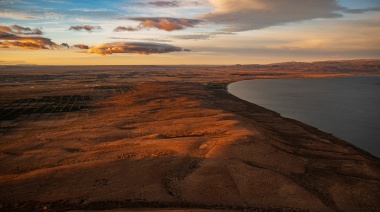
133,47
81,46
164,3
16,29
87,28
123,28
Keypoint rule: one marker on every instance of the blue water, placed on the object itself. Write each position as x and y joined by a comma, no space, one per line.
348,107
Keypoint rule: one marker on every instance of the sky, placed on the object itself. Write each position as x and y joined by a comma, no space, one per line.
187,32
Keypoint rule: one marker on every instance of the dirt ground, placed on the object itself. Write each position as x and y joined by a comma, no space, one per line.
171,138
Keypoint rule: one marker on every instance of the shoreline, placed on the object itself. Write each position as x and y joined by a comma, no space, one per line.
309,126
317,129
173,143
227,90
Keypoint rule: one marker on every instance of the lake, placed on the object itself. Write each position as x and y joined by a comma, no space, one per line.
347,107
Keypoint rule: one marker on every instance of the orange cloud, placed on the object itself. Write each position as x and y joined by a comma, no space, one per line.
81,46
133,47
15,35
3,46
26,42
168,24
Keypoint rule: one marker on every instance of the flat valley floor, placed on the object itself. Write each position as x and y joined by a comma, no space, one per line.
171,137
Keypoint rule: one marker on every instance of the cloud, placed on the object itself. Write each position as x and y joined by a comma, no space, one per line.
28,14
244,15
3,46
193,37
133,47
6,2
172,3
27,30
168,24
123,28
15,14
142,39
81,46
65,45
87,28
204,36
16,29
359,11
164,3
26,42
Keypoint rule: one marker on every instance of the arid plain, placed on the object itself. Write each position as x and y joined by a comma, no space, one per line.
162,137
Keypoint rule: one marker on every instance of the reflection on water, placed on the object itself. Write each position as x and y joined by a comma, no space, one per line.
348,107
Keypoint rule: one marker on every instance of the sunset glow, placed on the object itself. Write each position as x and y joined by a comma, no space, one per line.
127,32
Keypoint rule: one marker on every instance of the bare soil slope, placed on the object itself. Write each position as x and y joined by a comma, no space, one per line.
175,144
